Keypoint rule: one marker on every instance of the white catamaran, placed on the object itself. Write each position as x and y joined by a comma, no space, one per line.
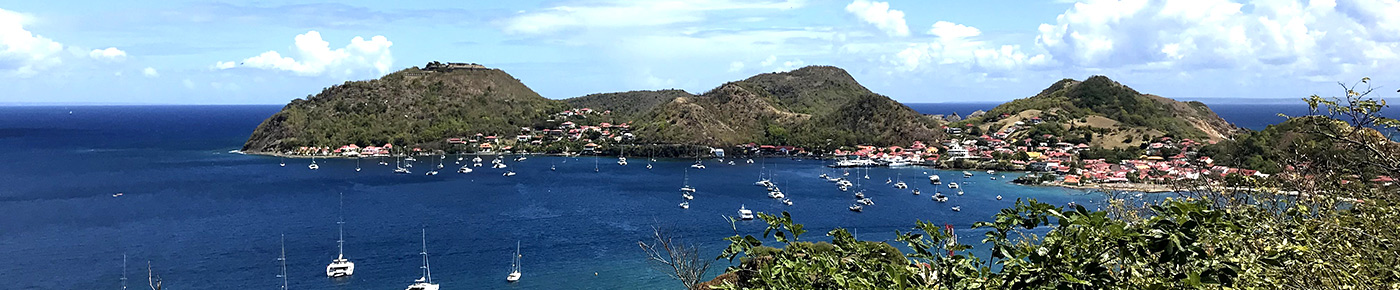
425,282
340,267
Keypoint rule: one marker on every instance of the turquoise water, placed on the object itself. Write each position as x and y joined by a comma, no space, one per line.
209,219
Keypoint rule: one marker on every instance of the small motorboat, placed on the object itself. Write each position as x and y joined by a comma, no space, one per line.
953,185
957,208
745,213
998,197
697,166
508,173
117,194
960,192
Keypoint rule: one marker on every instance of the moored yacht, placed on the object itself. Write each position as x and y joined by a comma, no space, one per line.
515,265
464,169
967,174
953,185
687,196
934,179
340,267
745,213
685,204
426,281
313,165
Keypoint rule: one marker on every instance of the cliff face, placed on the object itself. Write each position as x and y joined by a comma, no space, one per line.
407,107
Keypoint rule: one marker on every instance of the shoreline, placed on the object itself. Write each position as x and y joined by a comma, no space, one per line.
1131,187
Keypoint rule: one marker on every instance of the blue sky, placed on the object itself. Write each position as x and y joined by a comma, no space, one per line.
206,52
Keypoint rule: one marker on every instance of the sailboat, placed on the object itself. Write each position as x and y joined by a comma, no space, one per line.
515,265
357,164
685,205
900,183
283,259
313,165
440,161
685,186
340,267
281,161
425,282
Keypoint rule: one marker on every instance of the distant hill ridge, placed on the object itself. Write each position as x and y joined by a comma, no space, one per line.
815,106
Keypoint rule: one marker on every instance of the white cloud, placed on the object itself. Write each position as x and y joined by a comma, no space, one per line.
770,61
879,13
1313,39
315,57
631,13
944,29
736,66
188,84
111,54
150,72
23,53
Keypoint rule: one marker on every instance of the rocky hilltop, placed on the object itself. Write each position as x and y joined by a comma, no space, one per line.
1105,113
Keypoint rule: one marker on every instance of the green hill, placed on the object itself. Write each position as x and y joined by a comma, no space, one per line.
1116,115
804,107
409,107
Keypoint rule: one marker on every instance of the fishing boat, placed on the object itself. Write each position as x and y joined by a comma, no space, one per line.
514,265
426,281
745,213
340,267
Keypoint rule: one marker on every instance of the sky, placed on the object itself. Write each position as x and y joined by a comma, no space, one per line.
270,52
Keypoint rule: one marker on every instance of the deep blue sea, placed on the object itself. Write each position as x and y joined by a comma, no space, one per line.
209,219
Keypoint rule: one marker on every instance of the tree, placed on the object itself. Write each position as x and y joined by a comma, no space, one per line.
670,254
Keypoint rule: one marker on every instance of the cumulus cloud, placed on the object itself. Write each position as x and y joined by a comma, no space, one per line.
631,13
23,53
314,57
879,14
109,54
956,46
736,66
1316,38
150,72
944,29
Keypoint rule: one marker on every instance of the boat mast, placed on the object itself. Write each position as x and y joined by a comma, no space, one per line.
341,242
515,263
427,272
123,271
283,259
